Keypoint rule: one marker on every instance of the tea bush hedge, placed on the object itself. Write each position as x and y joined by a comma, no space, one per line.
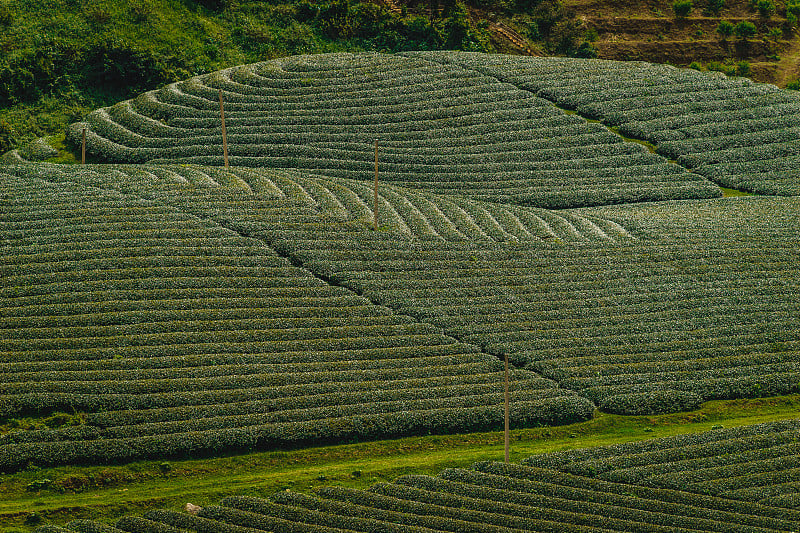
498,497
175,335
663,104
189,309
435,124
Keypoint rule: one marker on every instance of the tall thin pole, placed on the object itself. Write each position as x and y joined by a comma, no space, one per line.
224,133
375,208
508,401
83,147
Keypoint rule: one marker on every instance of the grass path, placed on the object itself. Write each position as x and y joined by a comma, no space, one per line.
110,492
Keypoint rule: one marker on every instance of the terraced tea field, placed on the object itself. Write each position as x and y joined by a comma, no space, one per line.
176,307
440,128
607,493
175,334
737,133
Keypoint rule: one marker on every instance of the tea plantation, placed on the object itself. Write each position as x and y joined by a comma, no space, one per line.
180,308
592,490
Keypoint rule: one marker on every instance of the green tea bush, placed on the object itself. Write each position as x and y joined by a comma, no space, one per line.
666,401
628,98
725,29
682,8
745,29
457,104
542,494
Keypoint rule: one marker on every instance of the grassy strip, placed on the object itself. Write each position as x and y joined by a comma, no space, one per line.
58,495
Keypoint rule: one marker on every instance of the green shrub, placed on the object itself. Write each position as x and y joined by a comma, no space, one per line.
745,29
765,8
32,519
213,5
6,15
586,50
794,85
718,66
725,28
666,401
714,6
682,8
743,68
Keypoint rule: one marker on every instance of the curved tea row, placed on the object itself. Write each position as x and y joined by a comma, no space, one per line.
735,132
645,326
440,128
171,334
751,463
402,212
493,497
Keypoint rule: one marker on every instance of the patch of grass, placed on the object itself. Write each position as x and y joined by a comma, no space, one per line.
726,192
65,155
62,494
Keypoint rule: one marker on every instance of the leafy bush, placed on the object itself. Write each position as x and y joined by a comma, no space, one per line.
743,68
713,7
682,8
745,29
6,15
212,5
650,402
765,8
725,29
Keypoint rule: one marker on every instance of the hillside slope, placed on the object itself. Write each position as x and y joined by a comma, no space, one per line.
650,30
648,307
172,309
553,492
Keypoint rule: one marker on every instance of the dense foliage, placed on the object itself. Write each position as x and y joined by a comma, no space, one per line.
175,335
752,463
440,128
708,312
740,134
544,495
64,54
177,308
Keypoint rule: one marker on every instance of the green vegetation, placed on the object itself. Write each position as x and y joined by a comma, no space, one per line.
60,59
713,7
725,29
251,307
765,8
159,307
544,156
109,492
682,8
691,117
745,29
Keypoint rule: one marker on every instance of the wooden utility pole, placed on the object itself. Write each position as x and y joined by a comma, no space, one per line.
224,133
375,206
83,147
508,409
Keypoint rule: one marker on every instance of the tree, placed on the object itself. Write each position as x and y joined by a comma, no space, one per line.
725,29
745,29
682,8
765,8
